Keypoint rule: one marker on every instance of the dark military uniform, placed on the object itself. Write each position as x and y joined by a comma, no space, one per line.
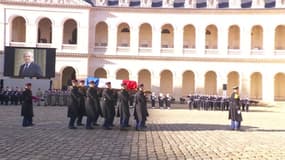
27,108
82,112
107,107
140,112
73,107
123,107
152,99
234,111
92,107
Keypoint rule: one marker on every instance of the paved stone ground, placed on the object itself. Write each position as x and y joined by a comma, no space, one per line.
171,134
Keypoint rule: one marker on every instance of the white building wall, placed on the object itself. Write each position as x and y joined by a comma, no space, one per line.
83,58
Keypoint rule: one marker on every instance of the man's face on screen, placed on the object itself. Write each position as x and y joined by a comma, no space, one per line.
28,57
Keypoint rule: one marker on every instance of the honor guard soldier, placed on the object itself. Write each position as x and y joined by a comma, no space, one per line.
73,107
152,99
234,112
161,100
168,100
106,103
140,112
27,106
123,107
82,90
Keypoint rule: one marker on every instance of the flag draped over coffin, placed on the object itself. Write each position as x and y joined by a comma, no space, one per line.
115,84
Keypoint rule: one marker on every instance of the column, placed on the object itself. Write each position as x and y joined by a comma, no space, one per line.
31,29
134,40
4,35
268,40
155,82
156,38
178,40
245,40
223,32
234,3
57,34
221,80
177,85
245,85
257,4
200,40
112,39
268,87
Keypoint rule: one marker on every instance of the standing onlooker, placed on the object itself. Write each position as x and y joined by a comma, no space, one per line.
73,107
123,107
152,98
161,100
140,111
27,106
39,95
168,100
234,111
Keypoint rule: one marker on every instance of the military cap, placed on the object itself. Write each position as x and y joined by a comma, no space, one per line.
91,82
107,83
28,84
82,81
74,81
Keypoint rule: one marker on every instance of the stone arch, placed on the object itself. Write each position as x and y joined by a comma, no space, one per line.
122,74
167,36
234,37
44,31
211,37
279,85
123,35
189,36
211,83
70,32
68,74
256,85
257,37
188,83
144,76
100,73
145,35
101,34
166,82
232,81
18,29
280,37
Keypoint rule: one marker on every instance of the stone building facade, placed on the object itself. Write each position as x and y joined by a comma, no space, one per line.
176,50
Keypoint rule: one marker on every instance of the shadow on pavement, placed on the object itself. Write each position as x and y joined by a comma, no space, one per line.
193,127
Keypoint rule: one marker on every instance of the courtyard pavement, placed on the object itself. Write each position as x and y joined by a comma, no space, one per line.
177,133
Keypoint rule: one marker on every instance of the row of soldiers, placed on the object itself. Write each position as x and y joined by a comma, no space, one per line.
213,102
93,102
10,96
13,96
164,101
